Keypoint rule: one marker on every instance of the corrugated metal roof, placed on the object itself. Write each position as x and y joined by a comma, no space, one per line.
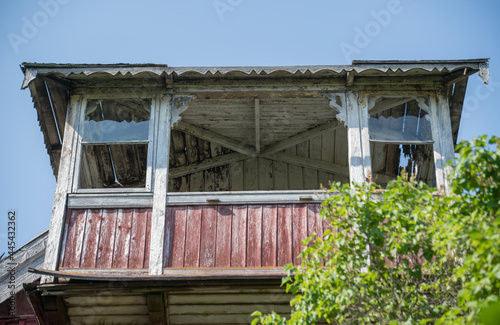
390,66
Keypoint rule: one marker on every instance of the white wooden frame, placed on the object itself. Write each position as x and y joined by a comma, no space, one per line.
438,109
150,142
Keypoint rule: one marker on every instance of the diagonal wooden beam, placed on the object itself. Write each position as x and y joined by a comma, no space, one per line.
301,137
321,165
387,104
215,137
206,164
311,163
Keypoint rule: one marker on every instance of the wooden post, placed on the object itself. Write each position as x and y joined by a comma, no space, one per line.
63,187
442,136
358,140
162,149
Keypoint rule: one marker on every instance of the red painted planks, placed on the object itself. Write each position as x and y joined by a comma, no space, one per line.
193,235
168,243
106,239
223,247
122,238
91,242
74,239
314,222
208,236
138,239
148,239
284,235
239,236
179,236
299,230
254,241
269,234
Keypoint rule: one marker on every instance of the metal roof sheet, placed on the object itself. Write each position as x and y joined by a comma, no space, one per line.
439,66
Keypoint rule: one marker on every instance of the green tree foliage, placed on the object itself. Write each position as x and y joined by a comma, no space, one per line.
407,254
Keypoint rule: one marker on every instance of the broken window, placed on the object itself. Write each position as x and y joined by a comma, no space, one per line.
115,138
401,140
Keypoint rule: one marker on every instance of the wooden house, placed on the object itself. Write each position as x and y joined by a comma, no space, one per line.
182,192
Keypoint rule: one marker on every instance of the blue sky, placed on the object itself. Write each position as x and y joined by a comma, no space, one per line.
220,33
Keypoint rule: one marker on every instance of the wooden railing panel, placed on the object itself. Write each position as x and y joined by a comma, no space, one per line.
222,236
106,238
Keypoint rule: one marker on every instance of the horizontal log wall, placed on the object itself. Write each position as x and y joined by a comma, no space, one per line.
106,238
238,235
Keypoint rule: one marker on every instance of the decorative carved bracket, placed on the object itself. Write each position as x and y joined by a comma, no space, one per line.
179,105
484,72
338,103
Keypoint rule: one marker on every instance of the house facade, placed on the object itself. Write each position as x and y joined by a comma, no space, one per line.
182,192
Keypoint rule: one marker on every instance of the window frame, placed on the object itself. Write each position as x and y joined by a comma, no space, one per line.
148,188
428,101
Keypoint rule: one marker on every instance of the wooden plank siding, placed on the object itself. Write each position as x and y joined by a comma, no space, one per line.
106,238
224,236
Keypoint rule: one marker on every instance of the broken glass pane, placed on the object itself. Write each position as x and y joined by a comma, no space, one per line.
121,120
113,166
404,123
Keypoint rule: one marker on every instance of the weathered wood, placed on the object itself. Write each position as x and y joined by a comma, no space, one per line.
192,149
233,298
193,234
236,175
169,237
138,240
105,300
443,135
113,319
230,198
106,239
314,222
239,236
164,106
250,172
354,136
269,235
197,182
208,236
265,174
284,239
180,214
206,164
91,241
75,237
63,186
312,163
223,249
109,200
227,309
280,175
386,104
122,239
257,126
299,230
215,137
156,309
299,138
294,172
209,180
254,240
456,104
